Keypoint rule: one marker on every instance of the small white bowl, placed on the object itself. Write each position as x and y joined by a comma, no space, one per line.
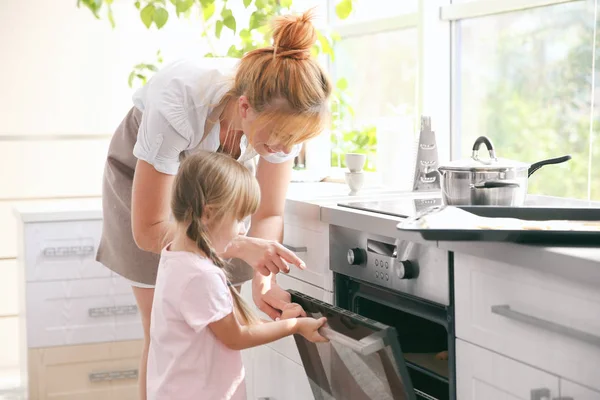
355,181
355,162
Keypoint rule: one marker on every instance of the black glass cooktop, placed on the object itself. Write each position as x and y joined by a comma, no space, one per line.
400,207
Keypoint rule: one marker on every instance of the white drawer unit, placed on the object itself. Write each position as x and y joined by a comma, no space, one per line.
89,372
539,319
81,311
278,378
62,250
313,248
484,375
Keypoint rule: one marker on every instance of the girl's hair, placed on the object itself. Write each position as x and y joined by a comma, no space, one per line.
215,186
284,84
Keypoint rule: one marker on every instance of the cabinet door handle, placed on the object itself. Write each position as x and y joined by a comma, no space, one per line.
113,375
99,312
299,249
507,312
365,346
563,398
67,251
540,394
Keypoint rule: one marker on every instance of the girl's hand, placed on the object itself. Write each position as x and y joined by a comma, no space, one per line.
264,256
292,310
309,328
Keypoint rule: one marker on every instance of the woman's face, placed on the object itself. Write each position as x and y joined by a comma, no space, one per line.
261,138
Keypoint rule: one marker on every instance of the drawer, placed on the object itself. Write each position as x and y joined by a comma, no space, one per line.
540,319
63,250
81,311
484,375
279,378
88,372
313,248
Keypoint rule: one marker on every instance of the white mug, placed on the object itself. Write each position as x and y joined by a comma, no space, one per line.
355,162
355,181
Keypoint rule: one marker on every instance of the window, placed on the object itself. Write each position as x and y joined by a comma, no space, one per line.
376,72
524,80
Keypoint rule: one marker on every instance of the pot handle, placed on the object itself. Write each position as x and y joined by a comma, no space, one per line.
488,143
558,160
495,184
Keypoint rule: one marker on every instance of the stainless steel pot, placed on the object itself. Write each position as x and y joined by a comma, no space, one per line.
488,182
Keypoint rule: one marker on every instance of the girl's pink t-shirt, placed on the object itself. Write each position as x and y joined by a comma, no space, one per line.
186,361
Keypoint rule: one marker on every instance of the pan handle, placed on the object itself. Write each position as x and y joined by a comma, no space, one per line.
495,184
488,143
558,160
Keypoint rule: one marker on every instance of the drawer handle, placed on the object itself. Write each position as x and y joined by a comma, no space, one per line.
365,346
68,251
99,312
299,249
506,311
540,394
113,375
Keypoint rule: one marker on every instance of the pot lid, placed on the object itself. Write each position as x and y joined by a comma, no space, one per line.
486,163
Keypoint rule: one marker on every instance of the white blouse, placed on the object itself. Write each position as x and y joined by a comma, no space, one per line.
176,102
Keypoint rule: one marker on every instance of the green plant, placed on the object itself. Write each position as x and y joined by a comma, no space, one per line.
363,141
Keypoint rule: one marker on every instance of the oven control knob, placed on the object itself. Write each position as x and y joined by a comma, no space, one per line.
406,270
356,256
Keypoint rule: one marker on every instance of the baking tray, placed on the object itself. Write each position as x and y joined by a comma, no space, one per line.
558,238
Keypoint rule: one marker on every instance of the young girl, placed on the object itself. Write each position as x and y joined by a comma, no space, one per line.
199,322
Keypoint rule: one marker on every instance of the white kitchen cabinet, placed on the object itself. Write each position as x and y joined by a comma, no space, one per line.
570,390
278,378
537,318
485,375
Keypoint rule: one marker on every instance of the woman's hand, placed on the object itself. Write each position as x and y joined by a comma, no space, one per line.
309,328
264,256
292,310
269,297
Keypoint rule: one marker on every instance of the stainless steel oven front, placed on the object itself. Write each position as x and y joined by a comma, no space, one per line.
405,286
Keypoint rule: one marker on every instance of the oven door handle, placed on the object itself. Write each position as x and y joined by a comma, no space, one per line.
366,346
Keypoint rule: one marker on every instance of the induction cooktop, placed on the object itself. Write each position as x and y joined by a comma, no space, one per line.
401,207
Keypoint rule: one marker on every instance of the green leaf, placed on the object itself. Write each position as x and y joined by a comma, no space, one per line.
161,16
325,45
218,29
147,15
208,11
131,78
286,3
182,6
260,4
342,84
209,55
230,23
247,3
226,12
137,5
233,52
245,35
343,8
257,20
111,17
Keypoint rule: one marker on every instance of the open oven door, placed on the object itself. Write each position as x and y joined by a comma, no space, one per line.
362,360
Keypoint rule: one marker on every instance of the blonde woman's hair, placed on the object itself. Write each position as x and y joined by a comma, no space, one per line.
284,84
216,186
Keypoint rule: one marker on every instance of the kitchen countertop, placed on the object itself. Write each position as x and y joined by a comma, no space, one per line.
319,200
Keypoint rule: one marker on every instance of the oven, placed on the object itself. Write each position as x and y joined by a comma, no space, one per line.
391,327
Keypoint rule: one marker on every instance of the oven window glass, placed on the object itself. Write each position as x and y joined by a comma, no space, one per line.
352,365
424,345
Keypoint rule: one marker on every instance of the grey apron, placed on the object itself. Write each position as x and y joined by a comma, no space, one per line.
117,250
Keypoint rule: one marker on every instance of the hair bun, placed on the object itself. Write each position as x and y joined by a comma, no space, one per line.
294,33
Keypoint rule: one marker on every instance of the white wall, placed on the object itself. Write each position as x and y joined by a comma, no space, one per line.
63,72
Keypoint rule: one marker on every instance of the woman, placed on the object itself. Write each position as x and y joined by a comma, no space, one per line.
265,104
